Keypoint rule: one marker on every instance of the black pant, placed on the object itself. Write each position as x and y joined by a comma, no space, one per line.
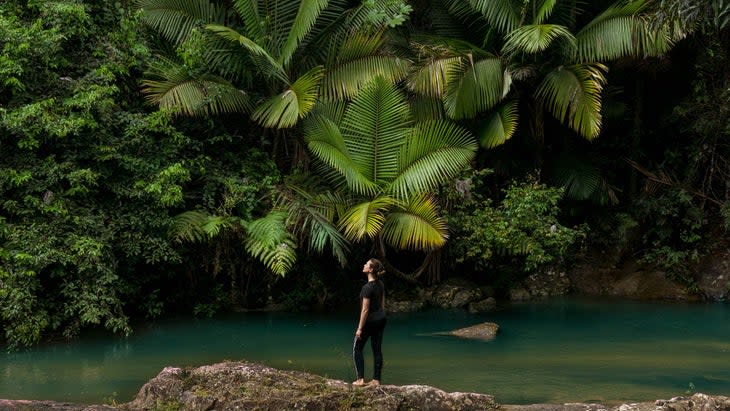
374,330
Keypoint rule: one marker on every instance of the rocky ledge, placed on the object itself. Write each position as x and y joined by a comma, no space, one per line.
252,386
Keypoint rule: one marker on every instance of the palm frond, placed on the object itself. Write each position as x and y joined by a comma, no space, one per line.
366,219
327,144
573,95
197,226
228,59
434,152
312,210
286,109
476,87
175,90
354,46
267,64
500,125
427,108
620,32
453,18
622,8
253,22
280,111
416,226
607,40
175,19
374,126
534,38
544,11
432,78
652,42
345,80
307,15
278,20
583,180
269,241
501,14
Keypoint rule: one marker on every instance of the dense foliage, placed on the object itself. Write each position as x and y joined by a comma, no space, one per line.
195,156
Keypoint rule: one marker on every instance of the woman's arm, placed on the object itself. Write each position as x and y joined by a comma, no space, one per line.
363,316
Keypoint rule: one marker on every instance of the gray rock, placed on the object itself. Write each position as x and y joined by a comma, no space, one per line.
519,294
547,282
251,386
714,275
649,285
404,306
485,331
485,305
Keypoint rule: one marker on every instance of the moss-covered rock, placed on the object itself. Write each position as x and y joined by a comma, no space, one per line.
251,386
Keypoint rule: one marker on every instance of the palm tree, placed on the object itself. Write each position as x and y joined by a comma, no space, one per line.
272,59
535,58
384,166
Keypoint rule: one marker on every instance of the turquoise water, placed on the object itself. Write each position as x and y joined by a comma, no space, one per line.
557,351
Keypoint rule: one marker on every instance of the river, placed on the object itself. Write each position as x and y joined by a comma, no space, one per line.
563,350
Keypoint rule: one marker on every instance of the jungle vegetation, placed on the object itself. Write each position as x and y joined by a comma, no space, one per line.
194,156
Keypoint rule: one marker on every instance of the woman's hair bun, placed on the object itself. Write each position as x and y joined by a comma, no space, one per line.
377,267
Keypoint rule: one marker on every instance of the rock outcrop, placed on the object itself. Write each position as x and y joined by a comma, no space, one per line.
251,386
452,293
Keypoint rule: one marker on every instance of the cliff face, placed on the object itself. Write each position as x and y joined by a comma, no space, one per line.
251,386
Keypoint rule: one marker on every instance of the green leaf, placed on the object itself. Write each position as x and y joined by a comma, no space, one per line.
286,109
269,66
416,226
197,226
175,19
502,14
374,126
326,142
544,11
434,152
431,79
366,218
475,87
534,38
620,32
180,93
269,241
573,95
309,10
346,79
254,24
500,125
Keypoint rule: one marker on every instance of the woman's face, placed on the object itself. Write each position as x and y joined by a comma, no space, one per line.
366,268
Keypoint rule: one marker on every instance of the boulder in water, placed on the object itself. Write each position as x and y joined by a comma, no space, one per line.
485,331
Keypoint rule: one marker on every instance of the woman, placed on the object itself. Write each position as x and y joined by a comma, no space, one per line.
372,323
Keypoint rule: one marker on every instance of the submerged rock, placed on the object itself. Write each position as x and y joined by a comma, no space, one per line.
485,331
251,386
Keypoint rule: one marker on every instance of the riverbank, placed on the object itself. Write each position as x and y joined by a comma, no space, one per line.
254,386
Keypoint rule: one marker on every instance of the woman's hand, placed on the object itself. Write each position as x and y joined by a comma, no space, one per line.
358,333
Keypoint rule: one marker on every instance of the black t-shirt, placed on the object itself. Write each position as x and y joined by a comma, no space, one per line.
374,290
